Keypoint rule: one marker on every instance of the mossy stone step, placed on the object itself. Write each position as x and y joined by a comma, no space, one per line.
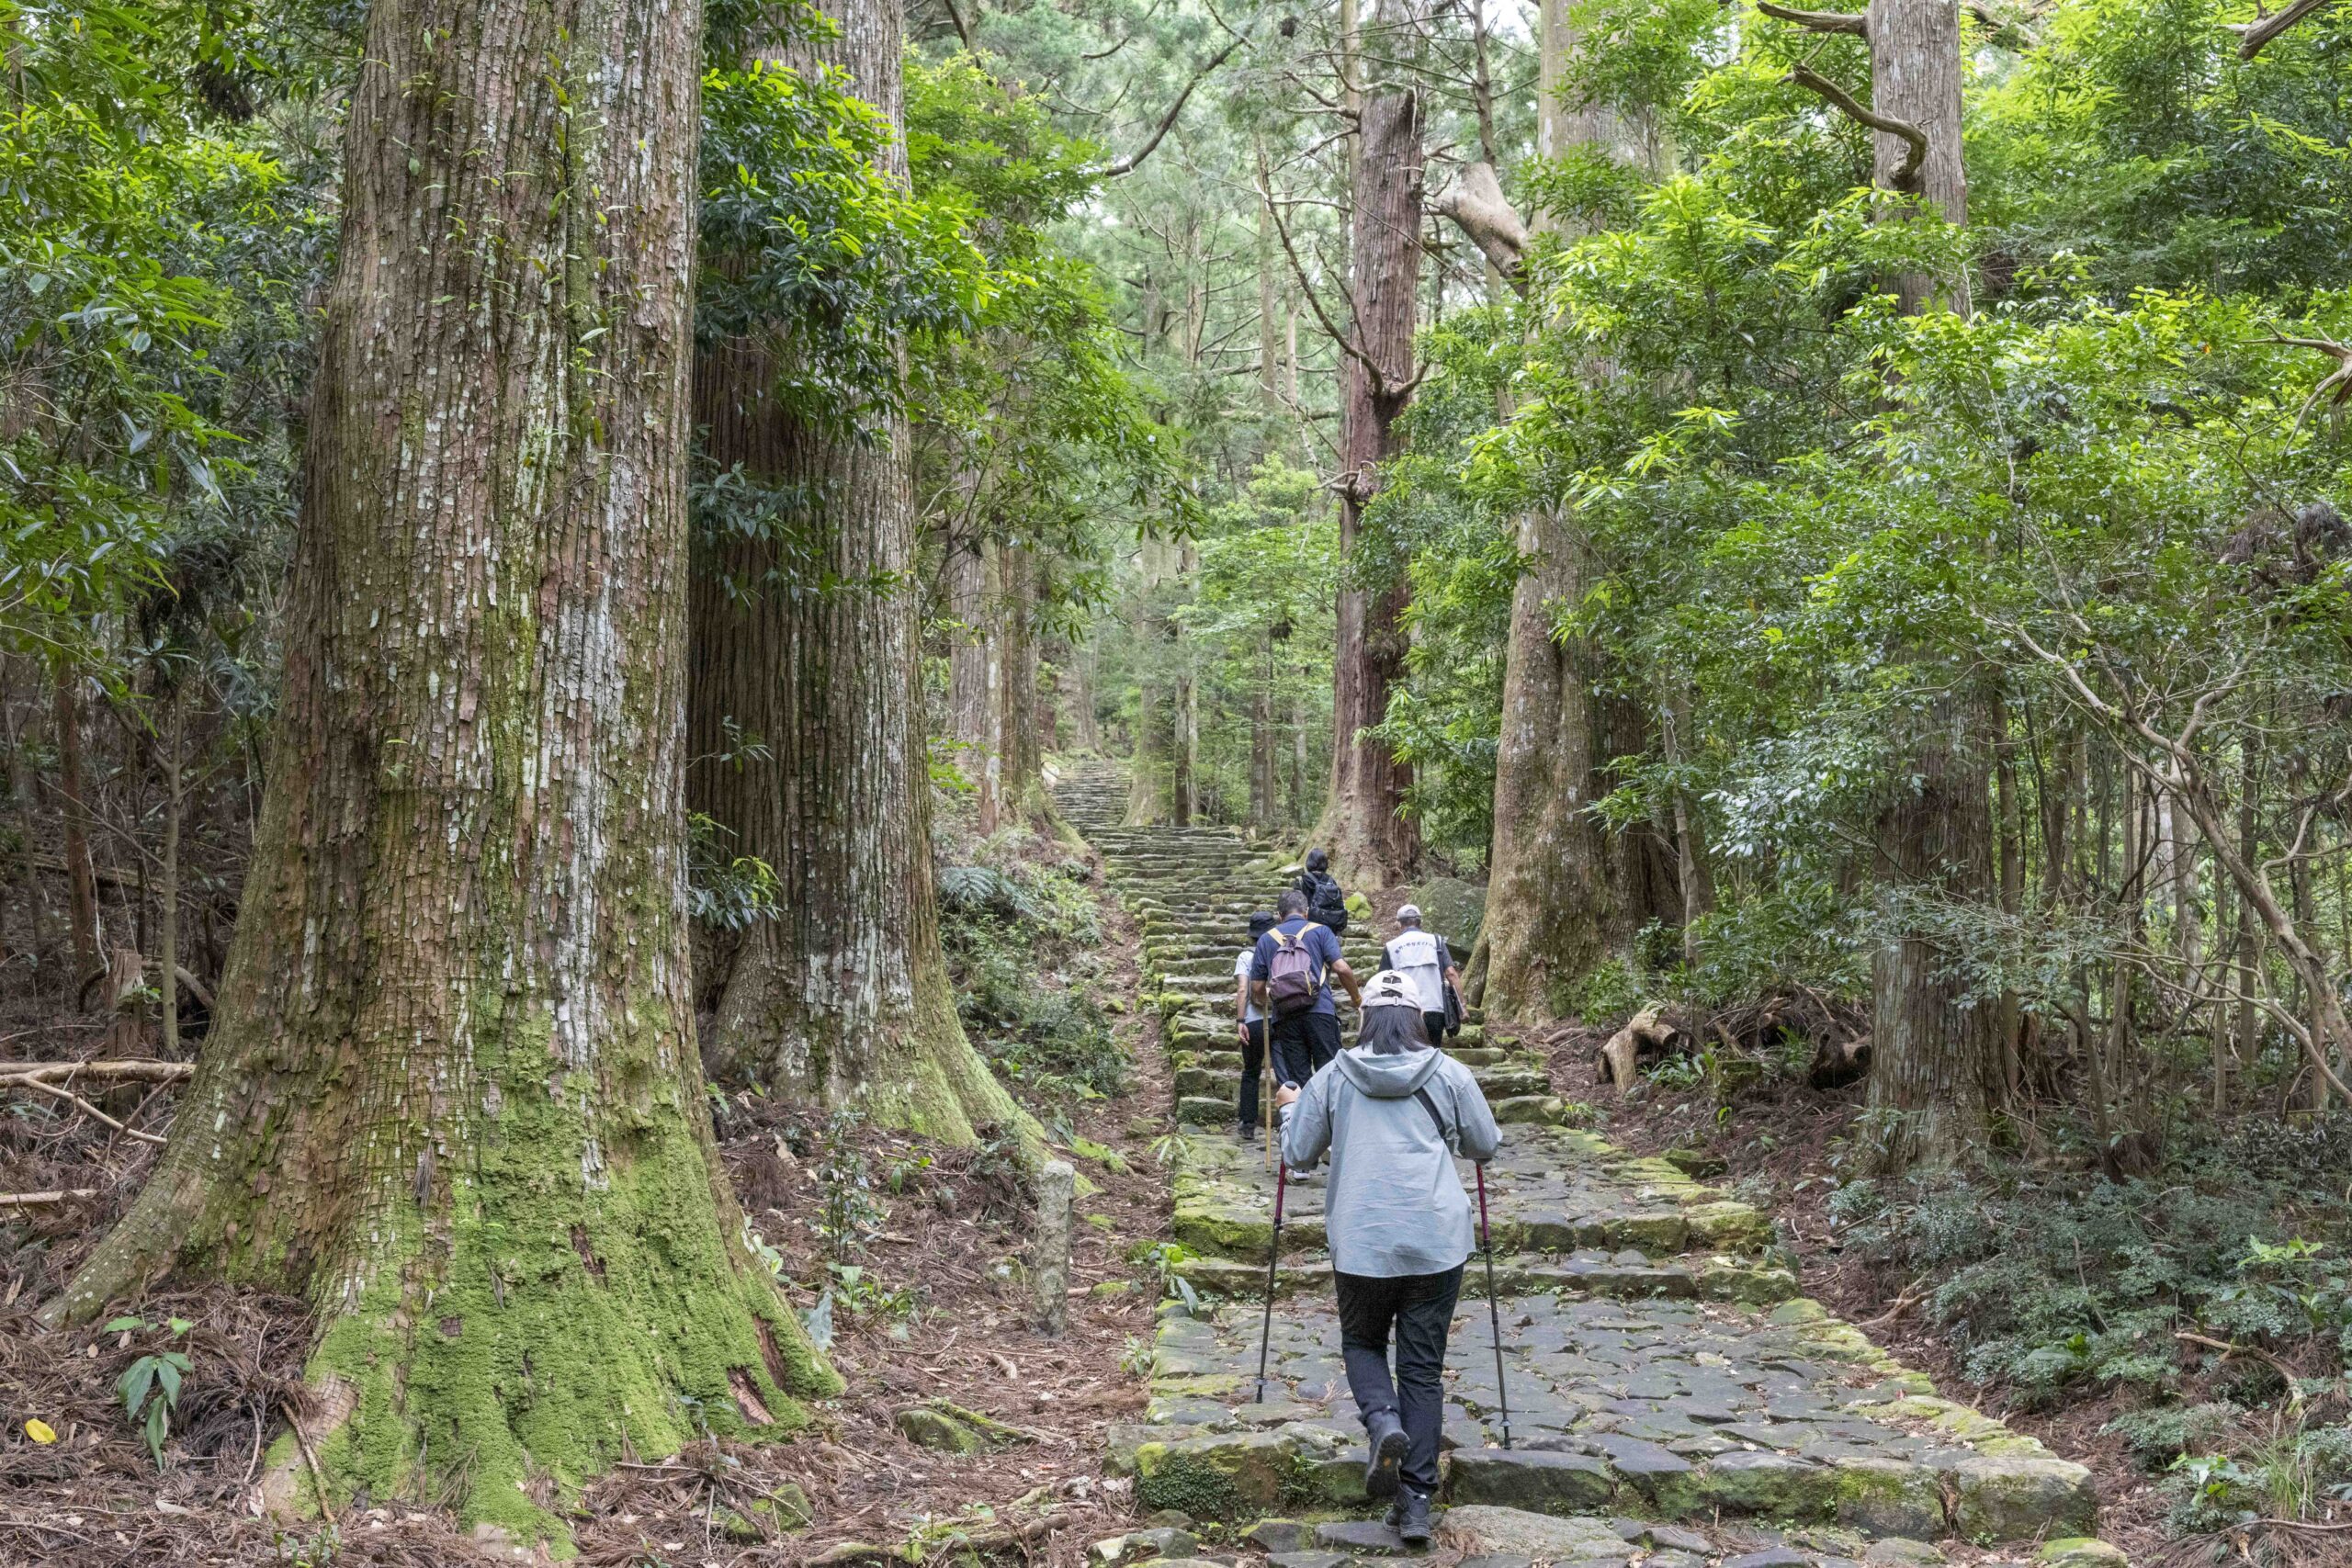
1496,1083
1590,1271
1660,1408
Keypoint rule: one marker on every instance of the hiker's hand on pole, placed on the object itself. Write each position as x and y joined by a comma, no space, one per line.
1241,1029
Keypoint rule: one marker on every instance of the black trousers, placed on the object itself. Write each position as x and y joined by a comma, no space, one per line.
1253,1057
1419,1308
1303,1042
1433,1025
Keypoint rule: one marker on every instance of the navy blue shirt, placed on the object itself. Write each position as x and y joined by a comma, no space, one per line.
1319,942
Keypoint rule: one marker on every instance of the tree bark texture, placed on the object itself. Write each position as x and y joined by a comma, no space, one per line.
1371,843
1935,1067
1560,893
1915,76
842,997
452,1095
1150,756
74,793
1551,904
976,674
21,791
1263,764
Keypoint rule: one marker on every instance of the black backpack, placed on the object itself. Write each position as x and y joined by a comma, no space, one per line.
1325,903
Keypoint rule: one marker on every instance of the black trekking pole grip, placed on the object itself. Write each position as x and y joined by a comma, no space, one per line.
1274,1253
1493,1313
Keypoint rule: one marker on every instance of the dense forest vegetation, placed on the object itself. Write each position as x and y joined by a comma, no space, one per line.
552,553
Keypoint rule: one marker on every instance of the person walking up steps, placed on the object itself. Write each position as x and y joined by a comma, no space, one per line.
1290,978
1423,958
1393,1114
1325,903
1249,1023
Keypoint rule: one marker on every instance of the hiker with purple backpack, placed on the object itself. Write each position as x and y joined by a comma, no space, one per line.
1291,980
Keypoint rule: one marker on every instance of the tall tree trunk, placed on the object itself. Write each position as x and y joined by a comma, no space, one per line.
1550,904
1934,1070
1372,842
74,792
1085,727
1553,905
842,997
976,673
168,933
1184,748
1915,76
1150,761
452,1094
21,792
1026,722
1299,769
1270,329
1263,780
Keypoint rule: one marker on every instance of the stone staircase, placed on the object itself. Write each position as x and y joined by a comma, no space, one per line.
1663,1371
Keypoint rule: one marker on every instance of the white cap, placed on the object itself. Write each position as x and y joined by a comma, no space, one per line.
1410,912
1390,989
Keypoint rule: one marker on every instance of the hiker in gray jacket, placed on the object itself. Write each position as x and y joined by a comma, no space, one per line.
1393,1114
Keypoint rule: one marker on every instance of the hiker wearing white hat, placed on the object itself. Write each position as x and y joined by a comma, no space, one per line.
1393,1113
1423,957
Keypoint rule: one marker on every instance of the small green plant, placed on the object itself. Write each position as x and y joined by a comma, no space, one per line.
149,1386
1676,1072
726,892
1168,1259
1135,1359
903,1170
864,1295
850,1213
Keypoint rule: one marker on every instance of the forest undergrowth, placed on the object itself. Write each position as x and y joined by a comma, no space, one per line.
2185,1330
905,1256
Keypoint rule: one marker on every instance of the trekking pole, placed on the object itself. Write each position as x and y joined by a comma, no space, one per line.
1266,1091
1274,1253
1493,1313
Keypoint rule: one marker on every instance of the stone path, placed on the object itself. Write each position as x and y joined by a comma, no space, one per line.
1663,1371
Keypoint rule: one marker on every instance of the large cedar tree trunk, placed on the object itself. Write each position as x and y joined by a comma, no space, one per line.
451,1094
843,996
1373,843
1559,899
1935,1067
1550,904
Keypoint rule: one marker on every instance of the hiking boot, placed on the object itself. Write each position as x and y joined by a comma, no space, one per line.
1384,1451
1409,1516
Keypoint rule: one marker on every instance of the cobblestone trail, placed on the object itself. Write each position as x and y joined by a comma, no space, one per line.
1664,1372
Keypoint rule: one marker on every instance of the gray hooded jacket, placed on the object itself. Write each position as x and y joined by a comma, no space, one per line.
1395,1204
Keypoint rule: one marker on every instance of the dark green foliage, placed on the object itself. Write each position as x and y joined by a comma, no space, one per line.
1020,940
2054,1286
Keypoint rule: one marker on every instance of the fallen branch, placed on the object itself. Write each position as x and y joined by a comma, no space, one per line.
85,1107
1907,178
41,1199
2253,34
318,1476
2259,1354
95,1072
1912,1296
